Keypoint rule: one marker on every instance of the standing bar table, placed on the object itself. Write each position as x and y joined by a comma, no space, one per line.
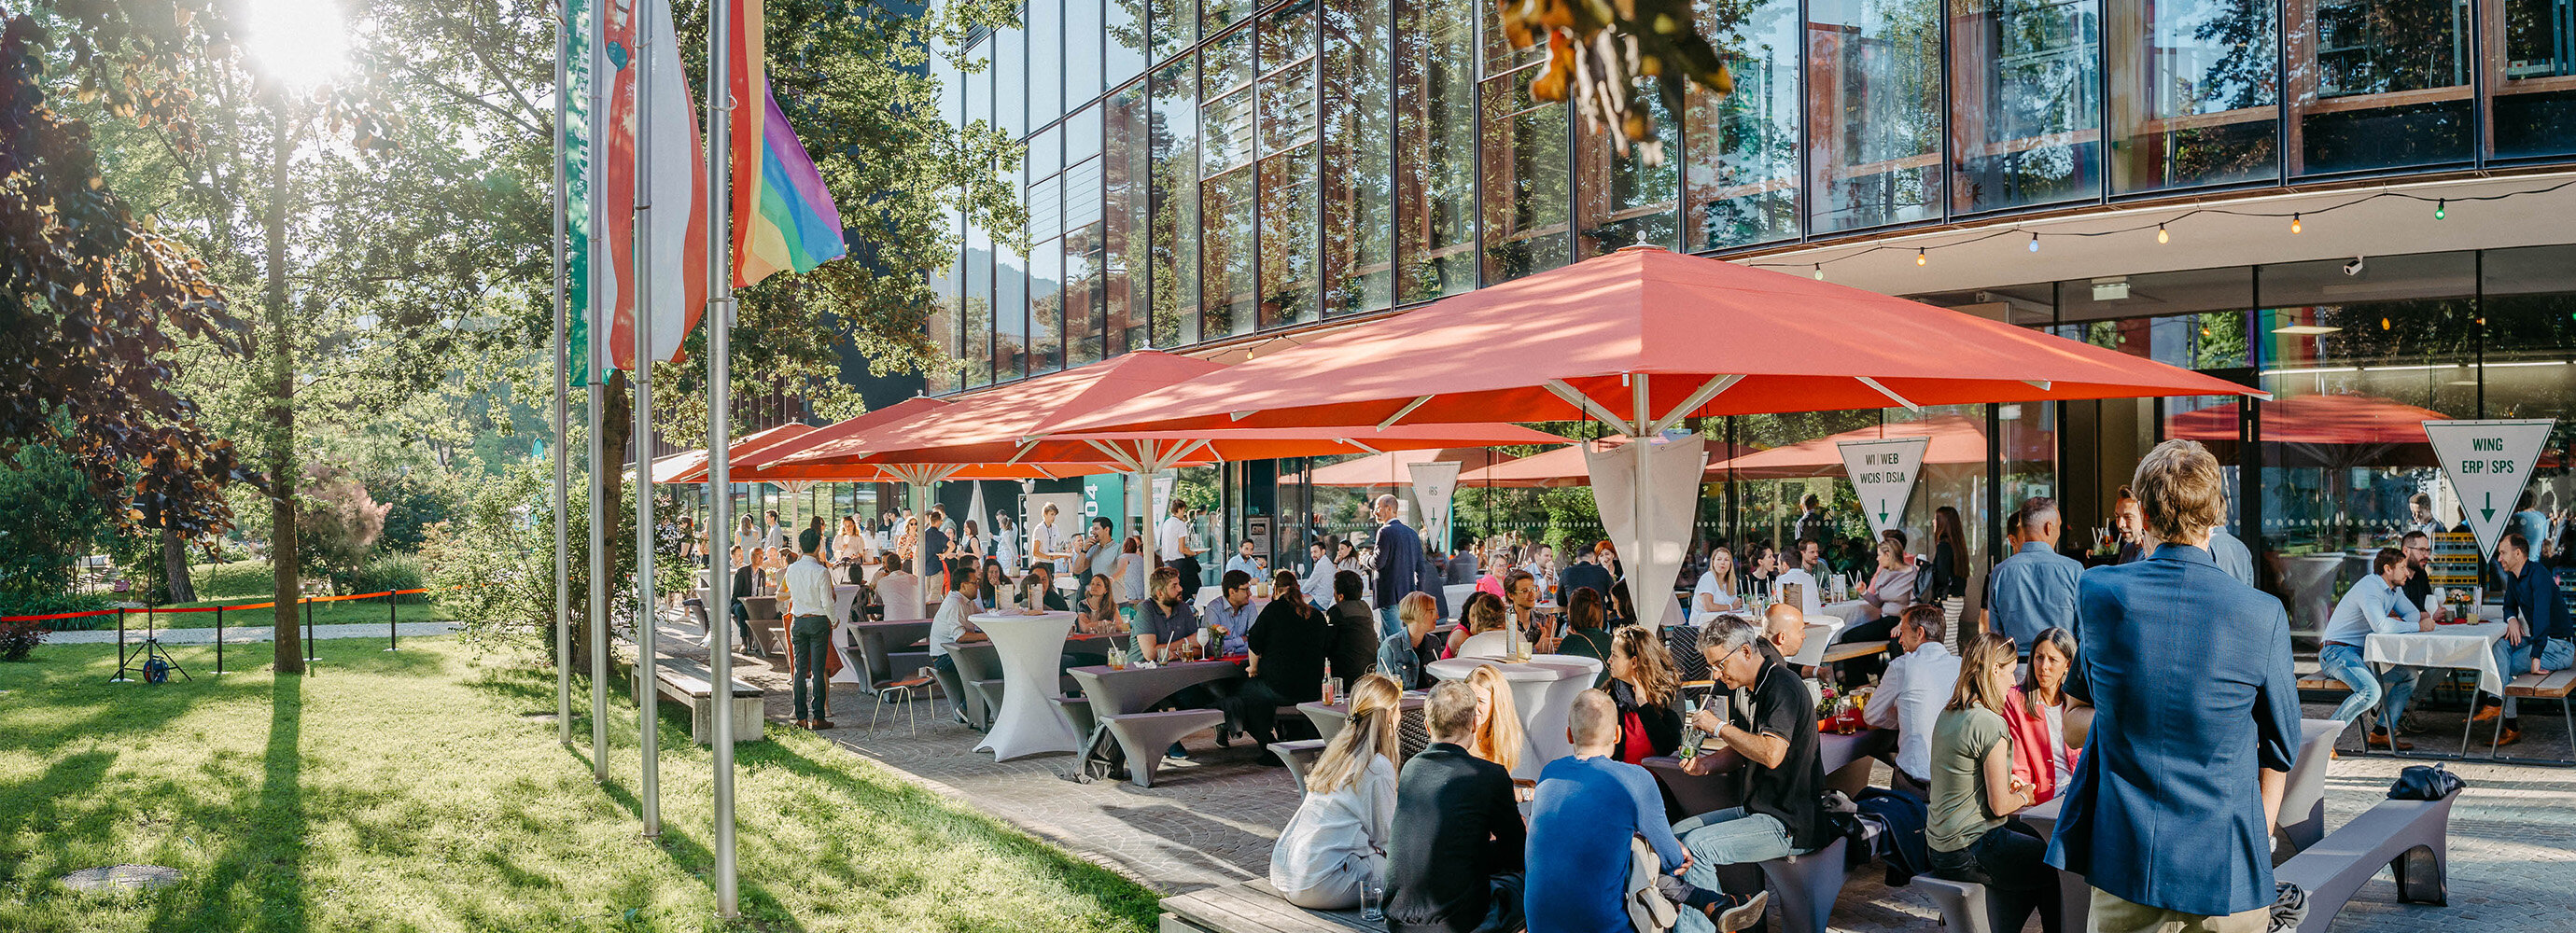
1543,690
1031,647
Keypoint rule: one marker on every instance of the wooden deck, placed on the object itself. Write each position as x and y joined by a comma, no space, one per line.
1251,907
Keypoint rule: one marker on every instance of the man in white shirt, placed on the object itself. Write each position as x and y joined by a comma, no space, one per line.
1318,583
1048,544
1172,542
809,633
1811,597
775,536
1911,694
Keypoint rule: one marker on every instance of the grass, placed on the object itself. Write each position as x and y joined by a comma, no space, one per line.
249,582
412,791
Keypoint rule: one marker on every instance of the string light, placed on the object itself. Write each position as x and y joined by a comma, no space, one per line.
2294,224
1919,258
1820,272
2034,242
2441,208
2162,236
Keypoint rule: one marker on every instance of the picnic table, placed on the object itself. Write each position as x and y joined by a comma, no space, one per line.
1543,690
1028,722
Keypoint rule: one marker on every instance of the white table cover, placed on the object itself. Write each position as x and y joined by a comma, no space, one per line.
1543,691
1031,647
2470,647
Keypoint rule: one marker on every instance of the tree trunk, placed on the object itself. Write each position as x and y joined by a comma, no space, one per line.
607,487
174,567
283,471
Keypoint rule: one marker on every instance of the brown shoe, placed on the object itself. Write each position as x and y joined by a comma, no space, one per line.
804,724
2486,713
2381,740
2510,736
823,724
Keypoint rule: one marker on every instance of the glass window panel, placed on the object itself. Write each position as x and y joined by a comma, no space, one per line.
1046,307
2530,303
978,87
1435,98
2401,310
1215,15
2195,93
2378,84
1287,35
1126,176
1229,131
1082,194
1046,207
1082,41
1045,19
1358,219
1288,107
1175,229
1742,169
1288,238
1625,201
1227,64
1874,89
1010,313
2532,82
975,356
2194,319
1526,174
2026,105
1010,82
1083,314
1124,30
1226,255
1175,27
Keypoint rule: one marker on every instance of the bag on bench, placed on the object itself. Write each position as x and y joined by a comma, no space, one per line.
1101,758
2425,782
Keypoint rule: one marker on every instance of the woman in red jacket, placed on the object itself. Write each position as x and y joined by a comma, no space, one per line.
2047,725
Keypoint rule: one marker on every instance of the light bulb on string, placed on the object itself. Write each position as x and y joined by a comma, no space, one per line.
2441,209
1919,258
1820,272
2034,242
2162,236
2295,226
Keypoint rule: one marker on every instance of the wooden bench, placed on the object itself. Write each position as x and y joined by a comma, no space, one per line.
1853,649
686,681
2411,837
2324,684
2555,685
1254,907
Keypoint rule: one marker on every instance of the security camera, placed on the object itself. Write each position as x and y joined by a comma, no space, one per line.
2353,267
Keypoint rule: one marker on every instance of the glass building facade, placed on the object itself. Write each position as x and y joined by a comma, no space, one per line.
1199,171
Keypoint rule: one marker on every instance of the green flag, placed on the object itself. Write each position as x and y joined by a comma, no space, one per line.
576,173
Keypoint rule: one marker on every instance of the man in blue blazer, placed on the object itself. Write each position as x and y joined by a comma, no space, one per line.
1401,568
2169,816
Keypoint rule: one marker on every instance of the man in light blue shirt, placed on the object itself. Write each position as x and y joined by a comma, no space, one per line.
1233,611
1244,561
2232,556
2034,589
2376,603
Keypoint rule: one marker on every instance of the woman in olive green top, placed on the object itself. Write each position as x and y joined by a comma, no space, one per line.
1587,634
1971,833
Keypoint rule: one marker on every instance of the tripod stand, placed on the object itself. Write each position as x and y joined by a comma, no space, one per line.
140,659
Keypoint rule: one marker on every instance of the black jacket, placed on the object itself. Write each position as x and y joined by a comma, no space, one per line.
1355,640
1663,723
1456,827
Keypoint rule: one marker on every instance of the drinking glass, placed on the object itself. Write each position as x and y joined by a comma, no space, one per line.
1372,901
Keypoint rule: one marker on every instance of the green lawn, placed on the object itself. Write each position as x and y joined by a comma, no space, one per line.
412,791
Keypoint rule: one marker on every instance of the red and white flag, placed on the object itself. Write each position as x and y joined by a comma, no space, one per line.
678,217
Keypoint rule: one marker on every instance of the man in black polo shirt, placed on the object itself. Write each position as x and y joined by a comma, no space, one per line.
1454,865
1783,774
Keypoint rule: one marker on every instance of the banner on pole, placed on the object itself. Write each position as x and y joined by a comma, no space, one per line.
576,175
1434,485
2489,462
1883,470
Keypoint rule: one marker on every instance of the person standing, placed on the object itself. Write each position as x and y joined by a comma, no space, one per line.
2531,522
809,637
1100,551
1401,568
1459,843
2128,528
1005,545
2376,603
1813,523
2419,516
2033,590
1048,545
2171,810
773,535
1911,695
1585,573
1172,539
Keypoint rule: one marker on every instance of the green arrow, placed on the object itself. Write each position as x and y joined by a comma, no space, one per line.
1882,510
2489,511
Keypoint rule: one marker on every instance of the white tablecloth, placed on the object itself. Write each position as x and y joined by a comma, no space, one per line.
1850,611
1030,647
2470,647
1543,692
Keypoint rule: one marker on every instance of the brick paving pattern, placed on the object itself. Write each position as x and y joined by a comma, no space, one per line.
2512,857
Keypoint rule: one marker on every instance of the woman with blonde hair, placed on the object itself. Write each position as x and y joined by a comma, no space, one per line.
1643,689
1498,720
1338,840
1970,831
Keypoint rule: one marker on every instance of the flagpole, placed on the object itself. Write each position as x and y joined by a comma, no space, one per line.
650,791
720,104
563,453
596,540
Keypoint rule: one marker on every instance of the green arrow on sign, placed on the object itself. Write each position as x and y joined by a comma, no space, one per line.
2489,511
1882,510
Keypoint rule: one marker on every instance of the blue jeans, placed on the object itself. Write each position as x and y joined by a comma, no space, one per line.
2343,662
1734,836
2514,661
2558,654
1387,623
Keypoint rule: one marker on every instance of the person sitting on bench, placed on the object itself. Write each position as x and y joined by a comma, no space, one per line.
1337,842
1455,864
1912,694
1970,832
1288,648
2540,634
2376,603
1589,805
1783,771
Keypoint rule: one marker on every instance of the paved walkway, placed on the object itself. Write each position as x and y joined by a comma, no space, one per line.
242,634
1213,823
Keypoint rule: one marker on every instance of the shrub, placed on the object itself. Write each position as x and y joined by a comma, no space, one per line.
384,572
51,518
18,639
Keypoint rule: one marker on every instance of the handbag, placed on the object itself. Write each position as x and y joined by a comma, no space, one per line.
2425,782
1648,910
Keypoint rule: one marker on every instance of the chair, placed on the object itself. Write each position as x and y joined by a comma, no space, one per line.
1963,904
900,692
854,668
1805,886
1298,755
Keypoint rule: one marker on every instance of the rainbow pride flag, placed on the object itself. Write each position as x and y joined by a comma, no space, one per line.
783,217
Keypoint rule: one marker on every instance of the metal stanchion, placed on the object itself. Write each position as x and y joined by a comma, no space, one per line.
309,652
120,677
393,634
219,641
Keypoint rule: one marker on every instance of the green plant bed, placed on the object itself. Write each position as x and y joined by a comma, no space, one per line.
414,791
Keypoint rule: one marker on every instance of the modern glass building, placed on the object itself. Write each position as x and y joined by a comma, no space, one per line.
1206,176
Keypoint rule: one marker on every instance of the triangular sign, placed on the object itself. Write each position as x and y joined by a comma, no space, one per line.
1883,471
2488,462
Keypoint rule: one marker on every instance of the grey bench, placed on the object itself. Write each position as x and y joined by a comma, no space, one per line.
1144,736
1962,904
1804,887
1298,755
2411,837
686,681
2303,795
978,687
